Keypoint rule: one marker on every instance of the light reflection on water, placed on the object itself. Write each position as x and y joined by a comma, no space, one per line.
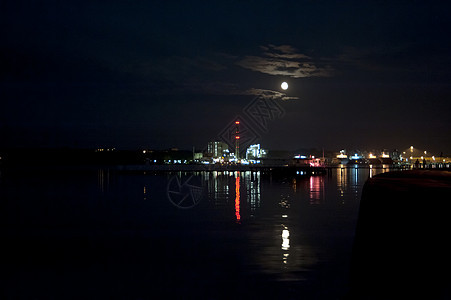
103,179
316,190
237,198
292,224
293,229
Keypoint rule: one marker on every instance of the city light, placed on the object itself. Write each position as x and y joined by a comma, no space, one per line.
355,156
219,156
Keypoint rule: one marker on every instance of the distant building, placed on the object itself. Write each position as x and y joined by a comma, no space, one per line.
217,149
385,153
255,152
395,155
341,158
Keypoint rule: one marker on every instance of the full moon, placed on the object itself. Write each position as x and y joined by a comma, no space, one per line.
284,85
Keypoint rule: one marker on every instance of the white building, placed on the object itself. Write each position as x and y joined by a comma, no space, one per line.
217,149
254,152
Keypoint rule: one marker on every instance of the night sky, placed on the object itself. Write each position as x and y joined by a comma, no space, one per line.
161,74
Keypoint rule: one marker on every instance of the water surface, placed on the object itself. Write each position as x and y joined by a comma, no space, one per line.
104,234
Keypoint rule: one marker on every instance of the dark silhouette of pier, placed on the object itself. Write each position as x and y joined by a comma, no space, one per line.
401,248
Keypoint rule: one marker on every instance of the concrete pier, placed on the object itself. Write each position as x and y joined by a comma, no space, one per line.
402,246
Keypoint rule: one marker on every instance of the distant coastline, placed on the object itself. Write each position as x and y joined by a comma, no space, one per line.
178,160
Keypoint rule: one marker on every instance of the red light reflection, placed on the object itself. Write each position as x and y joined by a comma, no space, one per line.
237,198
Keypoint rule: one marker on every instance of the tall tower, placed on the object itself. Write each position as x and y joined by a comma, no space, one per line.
237,139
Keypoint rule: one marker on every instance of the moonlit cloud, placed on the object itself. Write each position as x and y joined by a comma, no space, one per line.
180,74
286,61
269,94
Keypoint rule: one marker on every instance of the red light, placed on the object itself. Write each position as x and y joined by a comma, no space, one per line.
237,122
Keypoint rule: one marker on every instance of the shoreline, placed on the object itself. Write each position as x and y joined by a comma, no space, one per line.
200,168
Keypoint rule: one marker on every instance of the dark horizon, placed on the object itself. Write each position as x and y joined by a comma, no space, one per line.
161,75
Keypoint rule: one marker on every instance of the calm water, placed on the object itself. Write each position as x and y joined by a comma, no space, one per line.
103,234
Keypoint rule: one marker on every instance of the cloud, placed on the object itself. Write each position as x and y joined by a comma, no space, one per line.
286,61
287,49
269,94
212,75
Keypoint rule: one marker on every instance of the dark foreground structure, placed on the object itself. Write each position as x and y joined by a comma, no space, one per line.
402,245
